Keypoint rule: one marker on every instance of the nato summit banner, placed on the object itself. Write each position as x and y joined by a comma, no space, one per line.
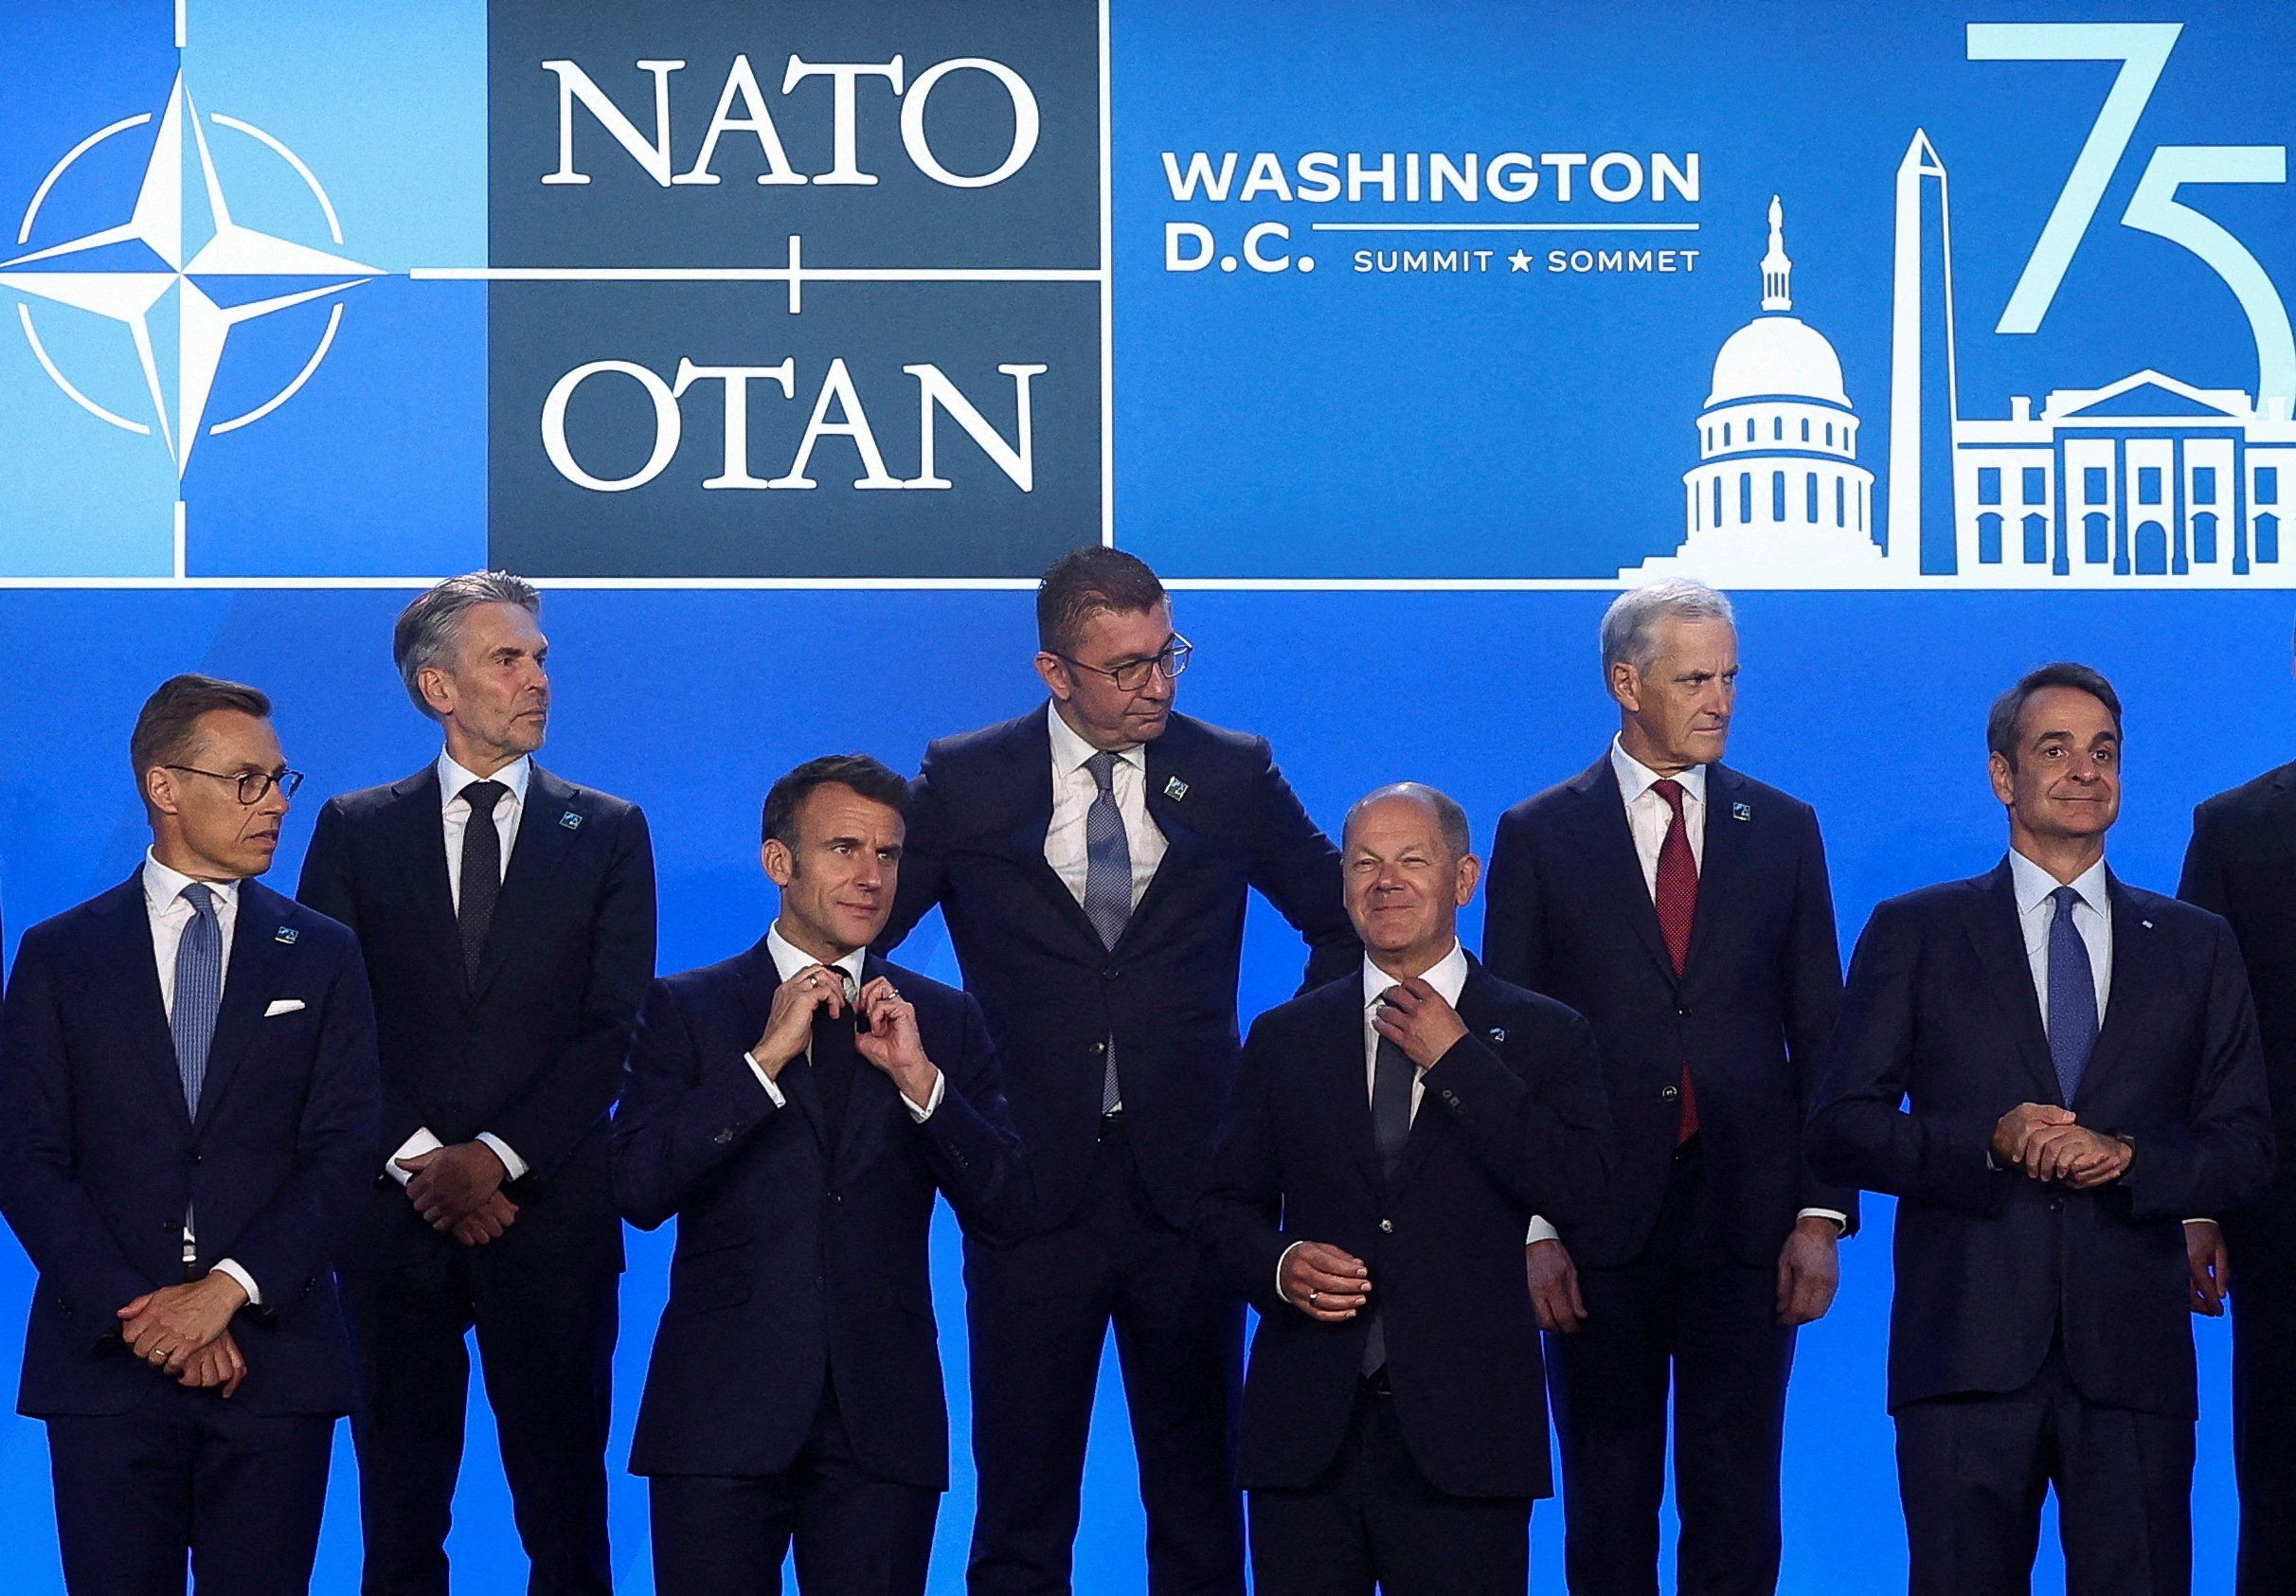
1812,296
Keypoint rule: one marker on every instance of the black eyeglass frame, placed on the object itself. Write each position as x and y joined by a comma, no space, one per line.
286,780
1168,661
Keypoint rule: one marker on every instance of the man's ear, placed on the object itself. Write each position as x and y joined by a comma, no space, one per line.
780,863
159,789
438,690
1626,685
2005,777
1053,671
1470,871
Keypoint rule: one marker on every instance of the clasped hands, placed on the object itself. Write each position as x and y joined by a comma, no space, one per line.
187,1331
885,1030
458,1190
2048,1143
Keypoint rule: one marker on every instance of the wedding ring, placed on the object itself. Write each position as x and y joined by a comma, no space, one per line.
1313,1295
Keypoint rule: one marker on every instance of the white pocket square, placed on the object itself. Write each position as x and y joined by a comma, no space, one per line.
282,1006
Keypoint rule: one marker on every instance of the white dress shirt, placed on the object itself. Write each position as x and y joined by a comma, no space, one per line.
1648,816
455,818
170,915
2037,912
788,959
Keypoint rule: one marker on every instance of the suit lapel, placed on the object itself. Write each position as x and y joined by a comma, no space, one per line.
1181,839
1032,818
420,842
1989,913
2280,805
1611,845
1427,1129
129,975
552,817
1722,860
2134,988
1350,1084
251,979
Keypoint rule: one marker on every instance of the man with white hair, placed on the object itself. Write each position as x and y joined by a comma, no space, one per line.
1683,909
507,917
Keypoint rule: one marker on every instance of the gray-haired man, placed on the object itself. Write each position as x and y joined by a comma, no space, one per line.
507,917
1684,910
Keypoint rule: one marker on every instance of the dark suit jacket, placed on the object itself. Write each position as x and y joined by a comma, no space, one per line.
533,1051
2242,865
1570,915
798,1263
1055,994
1512,1123
103,1159
1940,1016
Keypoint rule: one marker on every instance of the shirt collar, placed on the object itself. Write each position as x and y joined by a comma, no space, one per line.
164,886
788,959
2034,884
1071,753
453,778
1448,977
1635,777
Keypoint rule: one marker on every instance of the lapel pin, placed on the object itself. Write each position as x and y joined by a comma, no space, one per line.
1175,789
570,820
1741,811
1498,1033
2147,923
286,934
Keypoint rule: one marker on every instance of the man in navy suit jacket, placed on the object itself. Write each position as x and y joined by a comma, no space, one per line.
1390,1136
1683,909
2050,1069
508,922
1093,860
797,1107
188,1092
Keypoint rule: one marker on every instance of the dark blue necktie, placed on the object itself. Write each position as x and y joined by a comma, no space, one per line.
1392,1073
2073,996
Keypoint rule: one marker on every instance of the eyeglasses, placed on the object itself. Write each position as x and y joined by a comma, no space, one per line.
252,784
1131,676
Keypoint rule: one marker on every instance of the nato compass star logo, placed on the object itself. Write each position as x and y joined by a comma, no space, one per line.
179,262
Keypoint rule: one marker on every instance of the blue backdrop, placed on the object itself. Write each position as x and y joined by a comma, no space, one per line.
1395,489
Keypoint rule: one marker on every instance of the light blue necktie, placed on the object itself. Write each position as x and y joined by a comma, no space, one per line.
199,990
1108,883
2073,996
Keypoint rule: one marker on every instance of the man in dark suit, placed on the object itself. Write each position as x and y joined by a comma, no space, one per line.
1683,909
1390,1136
508,922
2242,865
797,1107
2050,1069
187,1095
1093,859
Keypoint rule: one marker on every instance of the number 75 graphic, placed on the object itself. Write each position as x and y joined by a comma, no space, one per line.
2142,48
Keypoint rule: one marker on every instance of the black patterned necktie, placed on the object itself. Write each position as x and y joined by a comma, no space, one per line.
834,1059
1392,1072
481,872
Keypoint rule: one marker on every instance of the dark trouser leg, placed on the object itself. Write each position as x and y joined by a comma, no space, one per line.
123,1499
1971,1472
1180,1339
407,1325
258,1495
546,1342
2124,1483
1037,1315
1425,1542
858,1534
720,1535
1314,1540
2263,1243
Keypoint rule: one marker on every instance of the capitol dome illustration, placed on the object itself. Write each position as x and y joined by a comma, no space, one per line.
1777,498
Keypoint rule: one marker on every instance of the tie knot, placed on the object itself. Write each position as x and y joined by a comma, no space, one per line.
483,796
1671,791
2066,898
1103,766
202,898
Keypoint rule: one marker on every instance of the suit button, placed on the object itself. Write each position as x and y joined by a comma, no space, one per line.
1451,1098
1670,1093
2055,1203
837,1196
1110,973
1386,1227
199,1158
724,1136
1682,1013
1096,1048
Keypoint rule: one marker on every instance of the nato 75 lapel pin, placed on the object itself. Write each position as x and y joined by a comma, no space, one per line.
570,820
1741,811
285,935
1175,789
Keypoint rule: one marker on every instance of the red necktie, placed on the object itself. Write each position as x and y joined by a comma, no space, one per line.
1677,899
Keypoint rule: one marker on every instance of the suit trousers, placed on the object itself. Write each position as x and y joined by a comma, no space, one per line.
1038,1315
2263,1242
1972,1471
1374,1520
1687,1312
546,1329
188,1471
855,1534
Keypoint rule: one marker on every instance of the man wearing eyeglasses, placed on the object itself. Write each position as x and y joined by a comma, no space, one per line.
508,920
1092,860
188,1096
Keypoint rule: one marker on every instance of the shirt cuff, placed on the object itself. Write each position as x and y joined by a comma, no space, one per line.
414,1146
1541,1231
764,1080
1841,1219
1280,1259
514,1167
932,1099
2200,1221
230,1267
